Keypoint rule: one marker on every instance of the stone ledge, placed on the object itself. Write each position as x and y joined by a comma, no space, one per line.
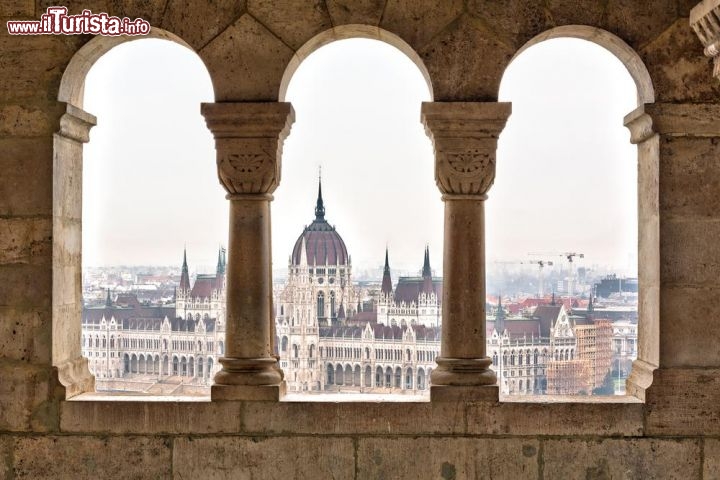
556,416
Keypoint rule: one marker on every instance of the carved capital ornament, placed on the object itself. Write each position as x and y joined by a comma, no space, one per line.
248,141
464,137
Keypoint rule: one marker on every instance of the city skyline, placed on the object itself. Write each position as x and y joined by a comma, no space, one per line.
116,233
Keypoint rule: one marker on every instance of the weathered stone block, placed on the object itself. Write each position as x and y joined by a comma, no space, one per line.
466,62
199,22
25,334
686,314
17,278
246,50
689,252
21,9
26,398
711,466
365,12
514,22
447,458
680,71
26,187
149,417
296,22
267,458
92,457
539,416
612,458
690,176
638,23
38,79
30,120
567,12
26,240
353,417
683,401
418,21
6,445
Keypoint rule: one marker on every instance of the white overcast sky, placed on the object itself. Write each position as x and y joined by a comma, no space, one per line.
566,172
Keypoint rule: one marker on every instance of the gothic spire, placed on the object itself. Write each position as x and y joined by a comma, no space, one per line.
184,277
108,300
221,261
426,272
500,316
387,280
428,286
319,206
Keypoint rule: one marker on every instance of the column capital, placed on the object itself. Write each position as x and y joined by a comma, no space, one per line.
76,123
705,21
673,119
464,135
248,141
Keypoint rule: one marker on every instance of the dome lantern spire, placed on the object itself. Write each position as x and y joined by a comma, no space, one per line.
319,205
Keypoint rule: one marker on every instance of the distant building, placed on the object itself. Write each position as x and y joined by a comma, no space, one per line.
614,284
126,341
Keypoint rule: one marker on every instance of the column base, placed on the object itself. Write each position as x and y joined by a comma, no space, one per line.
258,393
248,379
463,372
459,393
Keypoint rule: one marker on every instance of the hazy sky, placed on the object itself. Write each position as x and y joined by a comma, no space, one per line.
566,174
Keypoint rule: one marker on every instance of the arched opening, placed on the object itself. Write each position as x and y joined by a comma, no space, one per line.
330,375
368,377
284,344
348,377
398,377
139,90
339,377
566,149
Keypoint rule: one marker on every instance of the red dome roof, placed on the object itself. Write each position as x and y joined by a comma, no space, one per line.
323,245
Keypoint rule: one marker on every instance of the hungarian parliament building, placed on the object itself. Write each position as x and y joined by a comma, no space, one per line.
333,336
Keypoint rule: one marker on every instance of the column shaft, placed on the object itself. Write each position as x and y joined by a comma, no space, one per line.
463,327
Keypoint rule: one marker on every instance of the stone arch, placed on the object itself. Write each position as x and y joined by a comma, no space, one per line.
343,32
640,126
75,124
72,84
611,42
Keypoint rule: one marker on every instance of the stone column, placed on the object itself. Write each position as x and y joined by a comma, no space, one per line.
248,141
465,137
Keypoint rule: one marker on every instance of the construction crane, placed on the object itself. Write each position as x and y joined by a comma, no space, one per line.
570,256
541,264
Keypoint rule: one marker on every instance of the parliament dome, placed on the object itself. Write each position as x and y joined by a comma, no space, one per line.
323,244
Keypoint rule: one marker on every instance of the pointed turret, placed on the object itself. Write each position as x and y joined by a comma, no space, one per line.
500,317
386,281
552,302
108,300
319,205
221,261
184,277
591,307
427,273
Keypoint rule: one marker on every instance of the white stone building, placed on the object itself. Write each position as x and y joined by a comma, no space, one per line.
180,343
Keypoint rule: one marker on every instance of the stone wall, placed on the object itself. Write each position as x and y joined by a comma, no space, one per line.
669,430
